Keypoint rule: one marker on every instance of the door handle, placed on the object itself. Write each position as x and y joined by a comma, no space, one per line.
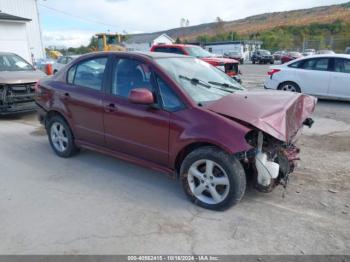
66,96
111,108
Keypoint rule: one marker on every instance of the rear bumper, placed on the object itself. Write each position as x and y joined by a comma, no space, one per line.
41,114
16,108
271,84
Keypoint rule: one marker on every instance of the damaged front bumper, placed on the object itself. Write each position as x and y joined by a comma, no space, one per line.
17,98
270,162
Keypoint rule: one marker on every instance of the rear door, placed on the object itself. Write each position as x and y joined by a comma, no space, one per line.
314,76
340,79
82,96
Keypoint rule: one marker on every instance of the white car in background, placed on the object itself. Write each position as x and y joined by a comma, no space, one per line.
62,61
325,76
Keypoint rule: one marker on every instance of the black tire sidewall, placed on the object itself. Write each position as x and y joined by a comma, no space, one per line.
232,167
71,148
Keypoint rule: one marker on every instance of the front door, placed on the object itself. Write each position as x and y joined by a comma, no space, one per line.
141,131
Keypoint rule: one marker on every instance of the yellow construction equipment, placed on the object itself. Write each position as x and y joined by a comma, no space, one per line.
54,54
109,42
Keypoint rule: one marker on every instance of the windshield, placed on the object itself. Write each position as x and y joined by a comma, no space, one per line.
200,80
265,52
12,62
197,51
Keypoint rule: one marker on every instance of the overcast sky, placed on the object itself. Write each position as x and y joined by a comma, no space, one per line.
73,22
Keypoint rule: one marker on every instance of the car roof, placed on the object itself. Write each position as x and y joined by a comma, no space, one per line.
329,55
318,56
144,54
7,53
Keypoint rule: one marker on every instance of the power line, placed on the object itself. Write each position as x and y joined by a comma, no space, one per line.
78,17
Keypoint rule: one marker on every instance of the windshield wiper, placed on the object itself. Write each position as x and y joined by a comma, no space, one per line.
224,85
195,81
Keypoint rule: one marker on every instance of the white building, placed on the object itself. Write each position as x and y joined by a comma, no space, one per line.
20,31
143,42
244,47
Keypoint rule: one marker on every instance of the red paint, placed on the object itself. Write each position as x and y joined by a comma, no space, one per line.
150,136
290,56
141,96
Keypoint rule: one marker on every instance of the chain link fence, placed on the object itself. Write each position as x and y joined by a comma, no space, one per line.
336,44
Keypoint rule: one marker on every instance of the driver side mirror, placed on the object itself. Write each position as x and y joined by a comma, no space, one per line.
141,96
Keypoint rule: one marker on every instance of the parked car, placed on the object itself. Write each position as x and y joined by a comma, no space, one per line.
62,61
325,52
176,114
278,54
17,81
290,56
347,51
308,52
325,76
236,55
229,66
40,64
262,57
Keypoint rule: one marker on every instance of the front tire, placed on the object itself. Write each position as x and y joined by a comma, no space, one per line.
61,137
213,179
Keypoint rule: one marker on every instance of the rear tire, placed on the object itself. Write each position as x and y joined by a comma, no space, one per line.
253,62
213,179
289,86
61,137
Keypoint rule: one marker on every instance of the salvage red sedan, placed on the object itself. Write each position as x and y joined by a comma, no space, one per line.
227,65
176,114
290,56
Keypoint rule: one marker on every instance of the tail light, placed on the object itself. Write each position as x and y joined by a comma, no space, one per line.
273,71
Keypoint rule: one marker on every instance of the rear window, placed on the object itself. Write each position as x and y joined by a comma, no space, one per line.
296,64
172,50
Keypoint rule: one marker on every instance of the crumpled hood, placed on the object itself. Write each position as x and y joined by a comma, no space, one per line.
20,77
278,113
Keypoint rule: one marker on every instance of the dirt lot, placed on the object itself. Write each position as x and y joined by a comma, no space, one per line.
94,204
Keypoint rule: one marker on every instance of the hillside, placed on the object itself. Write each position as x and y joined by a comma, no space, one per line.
259,23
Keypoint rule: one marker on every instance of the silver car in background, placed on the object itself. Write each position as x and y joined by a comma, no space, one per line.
17,84
62,61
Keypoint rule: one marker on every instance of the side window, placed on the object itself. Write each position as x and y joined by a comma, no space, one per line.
175,50
321,64
161,49
309,64
71,74
342,65
296,64
130,74
88,73
170,100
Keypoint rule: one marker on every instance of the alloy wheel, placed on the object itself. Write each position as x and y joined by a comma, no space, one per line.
59,137
208,181
289,87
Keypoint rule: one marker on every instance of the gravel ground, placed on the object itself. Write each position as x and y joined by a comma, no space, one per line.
94,204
